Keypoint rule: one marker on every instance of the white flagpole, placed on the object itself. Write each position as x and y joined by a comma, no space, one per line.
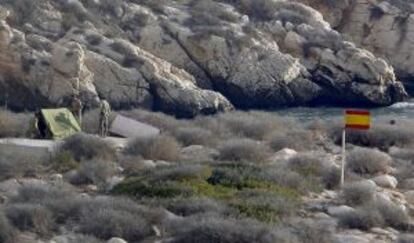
343,157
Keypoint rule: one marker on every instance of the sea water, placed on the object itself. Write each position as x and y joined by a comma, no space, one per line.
402,110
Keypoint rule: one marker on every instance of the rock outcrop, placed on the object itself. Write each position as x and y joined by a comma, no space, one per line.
176,58
385,28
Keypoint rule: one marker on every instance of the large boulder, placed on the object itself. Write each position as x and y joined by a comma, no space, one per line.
386,181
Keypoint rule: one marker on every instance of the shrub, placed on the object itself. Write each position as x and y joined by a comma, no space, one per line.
194,136
310,232
368,161
87,147
64,162
393,215
264,205
7,232
60,199
108,223
131,60
298,140
191,206
358,193
243,150
18,165
13,124
310,164
287,178
207,228
254,125
76,238
42,193
403,154
131,164
280,180
94,39
381,136
178,173
94,171
138,188
160,147
378,213
31,217
405,238
318,171
165,182
363,219
88,206
332,178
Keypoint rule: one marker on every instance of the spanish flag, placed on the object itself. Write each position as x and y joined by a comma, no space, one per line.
357,119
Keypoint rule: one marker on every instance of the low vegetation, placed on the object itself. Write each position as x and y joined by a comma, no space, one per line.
160,147
86,147
250,192
376,213
357,193
368,161
14,125
243,150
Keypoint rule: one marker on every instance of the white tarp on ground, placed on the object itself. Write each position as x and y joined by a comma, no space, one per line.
129,128
36,150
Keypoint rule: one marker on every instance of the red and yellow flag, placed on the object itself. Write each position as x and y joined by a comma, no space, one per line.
357,119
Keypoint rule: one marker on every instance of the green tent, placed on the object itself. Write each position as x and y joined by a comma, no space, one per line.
60,123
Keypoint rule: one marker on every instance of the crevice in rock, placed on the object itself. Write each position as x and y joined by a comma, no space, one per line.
188,53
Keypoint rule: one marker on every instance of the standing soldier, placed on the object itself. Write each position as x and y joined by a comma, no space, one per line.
77,108
104,118
34,131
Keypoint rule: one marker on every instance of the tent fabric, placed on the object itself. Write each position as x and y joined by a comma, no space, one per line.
60,122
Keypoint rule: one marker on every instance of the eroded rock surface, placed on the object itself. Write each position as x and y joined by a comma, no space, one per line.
176,58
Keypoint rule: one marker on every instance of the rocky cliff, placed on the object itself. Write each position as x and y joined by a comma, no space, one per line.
187,57
384,27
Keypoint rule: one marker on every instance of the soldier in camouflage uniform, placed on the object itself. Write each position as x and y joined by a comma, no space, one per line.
104,118
76,108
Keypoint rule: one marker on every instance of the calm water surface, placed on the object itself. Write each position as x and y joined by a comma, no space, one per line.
403,110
